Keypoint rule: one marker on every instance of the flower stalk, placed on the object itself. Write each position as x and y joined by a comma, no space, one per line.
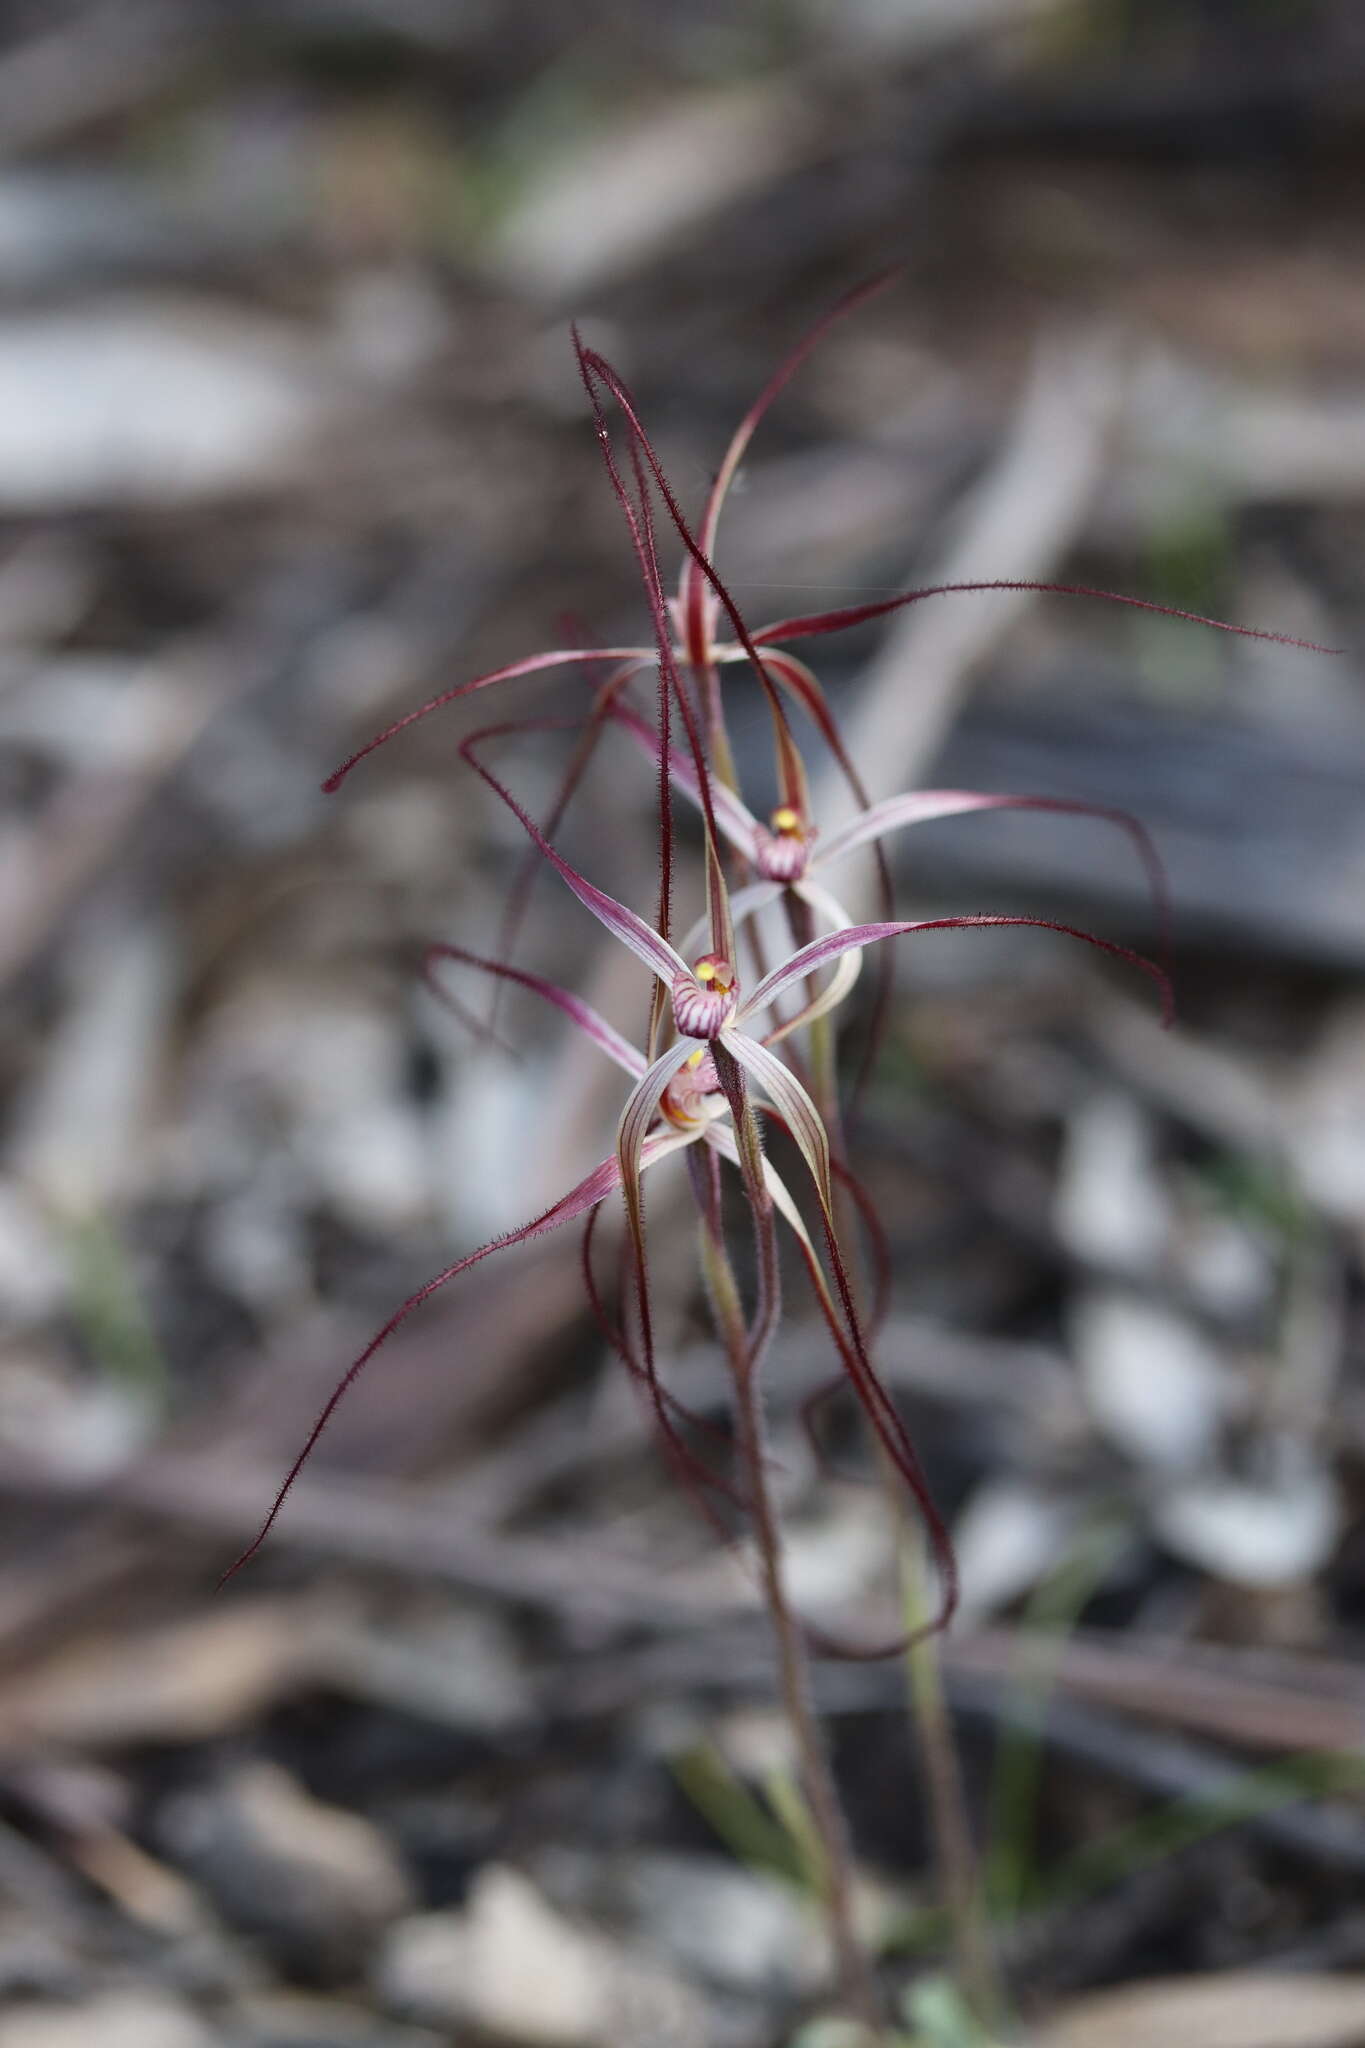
857,1983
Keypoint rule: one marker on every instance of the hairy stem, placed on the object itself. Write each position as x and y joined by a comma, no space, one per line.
954,1852
856,1980
817,1781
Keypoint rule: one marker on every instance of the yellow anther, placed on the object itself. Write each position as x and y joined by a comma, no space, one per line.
706,971
785,819
697,1057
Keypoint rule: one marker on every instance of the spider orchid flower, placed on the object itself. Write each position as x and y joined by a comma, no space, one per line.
681,1098
719,1046
788,854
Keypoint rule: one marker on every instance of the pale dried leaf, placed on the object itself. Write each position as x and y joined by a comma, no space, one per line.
188,1681
1238,2009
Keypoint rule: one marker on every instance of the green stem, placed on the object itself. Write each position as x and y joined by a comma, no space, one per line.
954,1852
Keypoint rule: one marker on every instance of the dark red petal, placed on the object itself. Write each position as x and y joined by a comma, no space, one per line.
529,665
814,623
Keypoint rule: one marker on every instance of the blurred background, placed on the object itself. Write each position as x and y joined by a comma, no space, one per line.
290,439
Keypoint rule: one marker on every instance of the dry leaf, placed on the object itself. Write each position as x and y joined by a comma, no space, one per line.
1239,2009
187,1681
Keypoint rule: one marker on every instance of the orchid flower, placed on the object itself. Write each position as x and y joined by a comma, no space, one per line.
708,1008
788,854
680,1099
